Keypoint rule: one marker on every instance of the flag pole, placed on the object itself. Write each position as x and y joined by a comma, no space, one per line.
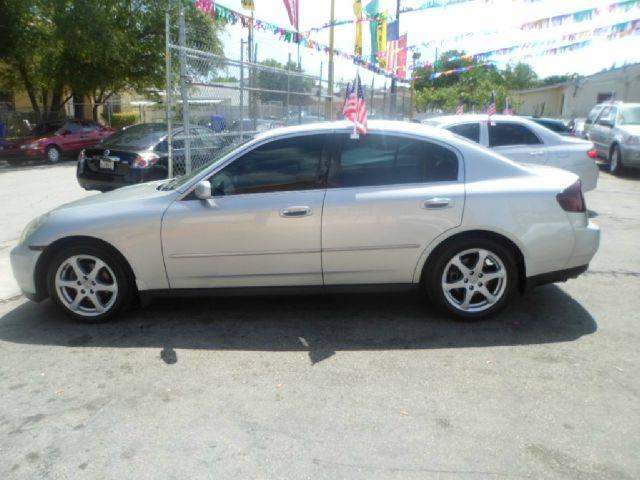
355,135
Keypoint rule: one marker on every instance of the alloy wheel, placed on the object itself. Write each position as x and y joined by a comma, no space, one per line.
86,285
474,280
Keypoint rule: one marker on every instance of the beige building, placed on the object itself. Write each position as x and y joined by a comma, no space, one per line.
575,98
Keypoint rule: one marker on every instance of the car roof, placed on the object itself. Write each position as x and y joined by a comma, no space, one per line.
374,126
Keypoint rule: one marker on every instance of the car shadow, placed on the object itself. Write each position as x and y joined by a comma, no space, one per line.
320,325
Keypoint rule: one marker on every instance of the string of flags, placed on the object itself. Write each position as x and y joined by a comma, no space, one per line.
386,62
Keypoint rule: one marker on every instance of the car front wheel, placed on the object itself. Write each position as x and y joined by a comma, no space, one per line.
89,283
53,154
472,278
615,160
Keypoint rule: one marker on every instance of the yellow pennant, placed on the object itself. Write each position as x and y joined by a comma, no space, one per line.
248,5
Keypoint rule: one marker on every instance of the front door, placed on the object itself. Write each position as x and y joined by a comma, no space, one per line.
388,198
263,227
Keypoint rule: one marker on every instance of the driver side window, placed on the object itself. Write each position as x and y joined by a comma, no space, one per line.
282,165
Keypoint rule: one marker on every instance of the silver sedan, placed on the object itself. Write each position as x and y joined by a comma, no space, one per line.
311,208
525,141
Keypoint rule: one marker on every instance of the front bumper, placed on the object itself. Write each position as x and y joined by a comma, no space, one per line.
23,264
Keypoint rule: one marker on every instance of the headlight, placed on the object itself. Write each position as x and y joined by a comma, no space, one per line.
29,146
31,227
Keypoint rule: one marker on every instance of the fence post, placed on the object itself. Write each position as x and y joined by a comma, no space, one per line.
320,90
241,88
184,94
288,91
167,95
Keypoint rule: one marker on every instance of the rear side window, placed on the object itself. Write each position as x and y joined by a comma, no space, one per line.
467,130
592,115
374,160
504,134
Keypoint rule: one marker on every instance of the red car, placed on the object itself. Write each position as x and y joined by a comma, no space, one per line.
54,140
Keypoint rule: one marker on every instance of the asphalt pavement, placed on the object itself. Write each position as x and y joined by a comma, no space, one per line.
326,387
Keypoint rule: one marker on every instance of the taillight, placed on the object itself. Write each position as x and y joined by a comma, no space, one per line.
593,153
145,160
571,198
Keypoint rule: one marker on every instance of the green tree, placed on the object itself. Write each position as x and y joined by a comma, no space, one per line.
275,82
56,48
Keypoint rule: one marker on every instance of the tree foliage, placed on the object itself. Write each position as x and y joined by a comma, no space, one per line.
275,82
53,49
474,87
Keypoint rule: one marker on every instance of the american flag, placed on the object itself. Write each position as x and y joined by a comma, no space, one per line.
460,107
207,6
492,108
354,106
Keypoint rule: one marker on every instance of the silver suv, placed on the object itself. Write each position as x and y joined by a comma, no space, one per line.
615,131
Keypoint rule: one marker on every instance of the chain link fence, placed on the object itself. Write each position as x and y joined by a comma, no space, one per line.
214,101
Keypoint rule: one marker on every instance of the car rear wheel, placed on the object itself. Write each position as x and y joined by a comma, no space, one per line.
472,278
615,160
89,283
53,154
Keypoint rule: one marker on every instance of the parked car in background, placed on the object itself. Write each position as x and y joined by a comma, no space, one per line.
524,141
309,207
140,153
53,141
555,125
615,132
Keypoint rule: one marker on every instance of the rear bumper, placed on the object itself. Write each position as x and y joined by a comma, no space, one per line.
106,181
553,277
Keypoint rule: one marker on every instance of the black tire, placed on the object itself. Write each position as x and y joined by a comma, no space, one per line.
86,290
53,154
481,292
615,160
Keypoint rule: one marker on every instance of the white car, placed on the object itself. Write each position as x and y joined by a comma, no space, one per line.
525,141
311,208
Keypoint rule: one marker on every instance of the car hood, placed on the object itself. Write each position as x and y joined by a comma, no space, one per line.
122,198
111,216
24,140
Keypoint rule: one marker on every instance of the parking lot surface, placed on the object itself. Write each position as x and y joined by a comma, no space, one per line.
358,386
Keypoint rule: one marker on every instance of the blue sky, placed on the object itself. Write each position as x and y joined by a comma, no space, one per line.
475,26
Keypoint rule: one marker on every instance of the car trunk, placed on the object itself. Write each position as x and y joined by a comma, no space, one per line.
112,161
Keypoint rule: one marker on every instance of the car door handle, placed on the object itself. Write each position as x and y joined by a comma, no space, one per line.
296,212
437,202
537,153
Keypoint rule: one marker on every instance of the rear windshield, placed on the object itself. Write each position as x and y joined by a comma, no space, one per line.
140,137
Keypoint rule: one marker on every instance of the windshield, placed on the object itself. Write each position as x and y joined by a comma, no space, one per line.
137,137
629,116
45,128
220,156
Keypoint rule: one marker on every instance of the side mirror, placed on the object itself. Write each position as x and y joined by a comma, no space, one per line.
203,190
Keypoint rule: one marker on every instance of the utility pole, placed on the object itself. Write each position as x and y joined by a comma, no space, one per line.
330,90
394,88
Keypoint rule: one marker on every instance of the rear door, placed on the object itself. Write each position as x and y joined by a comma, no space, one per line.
388,197
601,132
517,142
